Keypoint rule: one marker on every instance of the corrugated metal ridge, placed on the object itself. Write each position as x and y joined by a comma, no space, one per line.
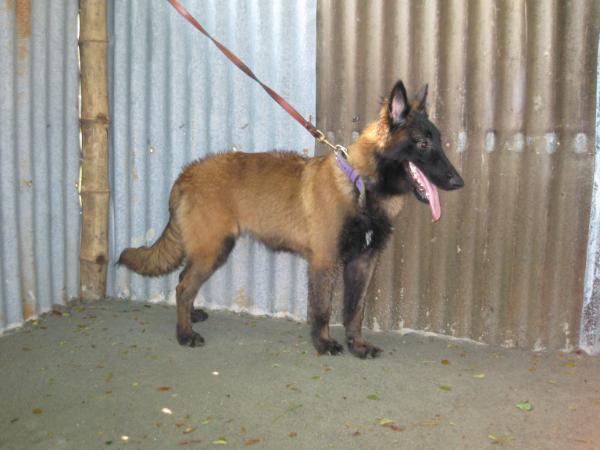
589,336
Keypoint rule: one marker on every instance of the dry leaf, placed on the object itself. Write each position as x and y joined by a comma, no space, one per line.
163,388
249,442
37,411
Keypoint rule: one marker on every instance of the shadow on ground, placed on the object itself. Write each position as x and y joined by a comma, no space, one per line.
111,375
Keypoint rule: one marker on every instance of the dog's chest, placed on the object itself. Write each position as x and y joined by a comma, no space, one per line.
365,231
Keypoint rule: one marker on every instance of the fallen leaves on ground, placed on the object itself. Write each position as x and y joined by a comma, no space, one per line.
292,434
163,388
253,441
524,406
445,387
37,411
220,441
190,442
373,397
389,423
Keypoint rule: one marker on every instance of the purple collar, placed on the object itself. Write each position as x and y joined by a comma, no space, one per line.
351,173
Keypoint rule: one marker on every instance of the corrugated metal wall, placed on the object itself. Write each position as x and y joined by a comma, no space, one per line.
589,338
512,88
175,98
39,150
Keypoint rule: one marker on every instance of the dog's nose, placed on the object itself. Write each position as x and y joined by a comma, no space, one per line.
456,182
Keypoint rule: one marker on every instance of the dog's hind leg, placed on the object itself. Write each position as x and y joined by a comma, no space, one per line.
201,265
321,283
197,314
357,276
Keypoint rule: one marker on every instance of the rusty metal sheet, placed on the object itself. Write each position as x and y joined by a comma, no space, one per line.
510,88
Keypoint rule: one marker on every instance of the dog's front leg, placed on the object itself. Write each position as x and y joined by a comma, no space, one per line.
357,276
321,283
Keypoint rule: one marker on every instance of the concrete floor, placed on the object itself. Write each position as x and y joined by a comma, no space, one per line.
111,375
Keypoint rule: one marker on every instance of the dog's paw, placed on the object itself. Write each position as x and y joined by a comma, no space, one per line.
198,315
364,350
328,347
192,339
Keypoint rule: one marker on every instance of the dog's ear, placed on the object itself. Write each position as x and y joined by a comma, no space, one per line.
420,100
398,106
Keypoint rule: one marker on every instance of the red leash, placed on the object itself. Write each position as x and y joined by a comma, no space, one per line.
244,68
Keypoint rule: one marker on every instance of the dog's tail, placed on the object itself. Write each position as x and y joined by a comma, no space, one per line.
164,256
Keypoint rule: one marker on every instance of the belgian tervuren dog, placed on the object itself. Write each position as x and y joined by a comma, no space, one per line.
305,205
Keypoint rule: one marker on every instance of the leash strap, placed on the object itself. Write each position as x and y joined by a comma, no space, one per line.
244,68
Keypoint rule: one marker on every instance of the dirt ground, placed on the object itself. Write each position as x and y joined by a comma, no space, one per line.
110,375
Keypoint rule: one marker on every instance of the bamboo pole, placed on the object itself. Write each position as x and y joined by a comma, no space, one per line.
93,257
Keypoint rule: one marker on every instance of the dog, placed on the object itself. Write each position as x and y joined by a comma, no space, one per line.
314,207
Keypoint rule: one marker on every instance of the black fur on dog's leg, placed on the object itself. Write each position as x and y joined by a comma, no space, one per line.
363,350
198,315
192,339
321,283
357,275
328,347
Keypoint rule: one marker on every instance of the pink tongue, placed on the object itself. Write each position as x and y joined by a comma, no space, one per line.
431,192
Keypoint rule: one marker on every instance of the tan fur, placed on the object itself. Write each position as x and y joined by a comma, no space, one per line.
282,199
163,257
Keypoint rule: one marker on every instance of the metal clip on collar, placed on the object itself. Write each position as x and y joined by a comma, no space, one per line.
341,149
337,149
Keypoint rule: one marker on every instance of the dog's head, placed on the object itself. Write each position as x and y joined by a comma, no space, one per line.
410,157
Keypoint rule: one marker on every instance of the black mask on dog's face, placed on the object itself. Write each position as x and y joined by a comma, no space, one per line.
414,159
